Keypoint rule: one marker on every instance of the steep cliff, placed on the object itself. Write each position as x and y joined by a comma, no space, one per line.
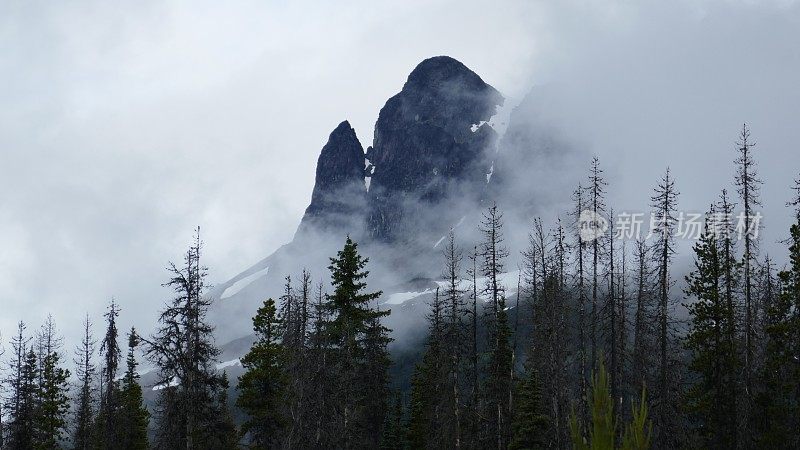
339,196
430,144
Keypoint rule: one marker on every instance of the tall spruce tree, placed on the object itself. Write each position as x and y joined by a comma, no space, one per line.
712,398
53,402
23,424
134,417
393,430
429,397
601,435
359,359
531,425
107,423
779,400
547,355
263,384
427,383
18,407
603,431
731,286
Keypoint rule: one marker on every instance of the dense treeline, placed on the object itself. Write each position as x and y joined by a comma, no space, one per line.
590,348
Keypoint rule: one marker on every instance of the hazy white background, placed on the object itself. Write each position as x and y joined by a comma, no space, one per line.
123,127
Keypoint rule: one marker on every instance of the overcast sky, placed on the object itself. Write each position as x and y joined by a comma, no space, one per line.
122,128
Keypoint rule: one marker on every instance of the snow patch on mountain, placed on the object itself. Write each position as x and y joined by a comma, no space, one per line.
508,280
399,298
231,290
174,382
451,229
231,363
474,127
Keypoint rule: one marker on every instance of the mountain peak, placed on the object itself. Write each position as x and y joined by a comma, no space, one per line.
429,146
339,190
344,128
432,72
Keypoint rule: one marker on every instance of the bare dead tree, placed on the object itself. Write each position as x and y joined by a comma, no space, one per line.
748,187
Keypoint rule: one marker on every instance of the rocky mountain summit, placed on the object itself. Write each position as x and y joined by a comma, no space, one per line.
430,145
429,170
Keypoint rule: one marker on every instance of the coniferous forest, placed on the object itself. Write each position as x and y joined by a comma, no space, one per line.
590,352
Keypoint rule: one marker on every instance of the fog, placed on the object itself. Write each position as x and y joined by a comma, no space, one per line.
124,128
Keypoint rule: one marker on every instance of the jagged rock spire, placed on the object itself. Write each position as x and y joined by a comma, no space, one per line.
430,143
337,202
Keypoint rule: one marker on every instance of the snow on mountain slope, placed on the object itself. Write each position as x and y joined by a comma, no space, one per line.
508,280
240,284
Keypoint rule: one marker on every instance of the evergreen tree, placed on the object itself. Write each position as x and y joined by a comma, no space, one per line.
134,417
23,424
530,425
544,277
428,394
602,435
603,426
219,431
183,350
53,403
712,397
779,400
107,423
262,386
21,402
393,431
375,377
359,357
13,380
170,424
640,429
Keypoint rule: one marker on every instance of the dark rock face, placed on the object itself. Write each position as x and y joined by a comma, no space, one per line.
429,145
339,197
